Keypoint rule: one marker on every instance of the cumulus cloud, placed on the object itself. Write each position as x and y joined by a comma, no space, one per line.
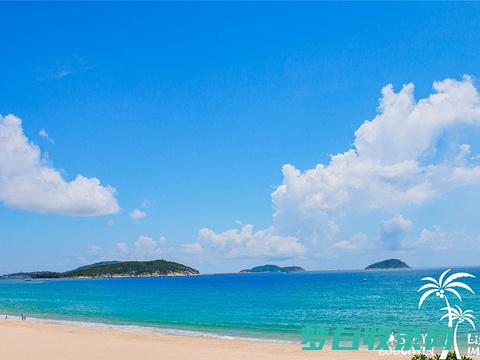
29,182
147,248
393,163
437,239
248,243
137,214
394,231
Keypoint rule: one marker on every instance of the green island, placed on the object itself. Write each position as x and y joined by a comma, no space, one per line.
388,264
273,268
110,269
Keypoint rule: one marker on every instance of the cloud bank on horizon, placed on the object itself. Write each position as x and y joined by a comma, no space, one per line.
29,182
396,161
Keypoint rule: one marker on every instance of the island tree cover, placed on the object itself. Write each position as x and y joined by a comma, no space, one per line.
388,264
273,268
117,268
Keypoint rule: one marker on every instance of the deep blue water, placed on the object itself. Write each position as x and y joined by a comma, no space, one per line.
272,306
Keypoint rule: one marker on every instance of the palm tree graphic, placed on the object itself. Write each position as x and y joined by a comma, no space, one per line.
460,316
442,288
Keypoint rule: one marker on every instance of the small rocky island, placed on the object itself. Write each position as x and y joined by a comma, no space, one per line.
110,269
388,264
273,268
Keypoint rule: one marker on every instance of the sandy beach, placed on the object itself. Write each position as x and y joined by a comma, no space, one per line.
36,340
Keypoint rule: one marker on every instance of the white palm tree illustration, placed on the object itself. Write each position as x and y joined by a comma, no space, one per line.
441,288
460,316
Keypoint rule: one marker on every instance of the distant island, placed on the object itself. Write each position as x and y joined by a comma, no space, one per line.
273,268
109,269
388,264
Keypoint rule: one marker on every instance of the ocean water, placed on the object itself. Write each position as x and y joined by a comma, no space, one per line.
258,306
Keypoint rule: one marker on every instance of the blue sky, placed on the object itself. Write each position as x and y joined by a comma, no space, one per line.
190,111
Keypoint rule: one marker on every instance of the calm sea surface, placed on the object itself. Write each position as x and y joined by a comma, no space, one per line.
260,306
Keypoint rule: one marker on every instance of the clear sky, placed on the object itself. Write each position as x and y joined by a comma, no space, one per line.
180,118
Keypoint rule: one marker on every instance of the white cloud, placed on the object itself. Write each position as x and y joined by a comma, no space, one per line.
162,240
465,150
394,231
137,214
43,134
405,129
437,239
393,164
247,243
148,248
122,248
29,182
143,248
191,248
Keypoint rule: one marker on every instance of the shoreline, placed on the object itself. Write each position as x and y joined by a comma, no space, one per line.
116,276
161,330
47,340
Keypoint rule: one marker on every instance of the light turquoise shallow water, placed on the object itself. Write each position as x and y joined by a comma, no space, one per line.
269,306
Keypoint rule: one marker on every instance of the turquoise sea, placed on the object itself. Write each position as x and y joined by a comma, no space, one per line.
259,306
